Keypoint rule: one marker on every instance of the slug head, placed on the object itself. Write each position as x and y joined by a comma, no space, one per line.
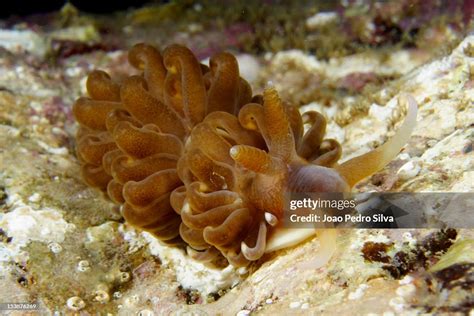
301,163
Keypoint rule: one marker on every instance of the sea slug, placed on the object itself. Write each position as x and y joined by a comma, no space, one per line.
197,160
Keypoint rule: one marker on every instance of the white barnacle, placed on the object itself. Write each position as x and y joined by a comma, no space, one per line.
83,266
75,303
101,296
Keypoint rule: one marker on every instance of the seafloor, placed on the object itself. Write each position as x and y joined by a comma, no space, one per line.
63,246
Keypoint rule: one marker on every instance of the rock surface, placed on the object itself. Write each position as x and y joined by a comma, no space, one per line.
66,248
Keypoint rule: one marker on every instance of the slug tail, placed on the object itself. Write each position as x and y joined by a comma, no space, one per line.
358,168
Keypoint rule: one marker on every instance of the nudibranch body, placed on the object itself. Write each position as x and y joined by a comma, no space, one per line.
195,159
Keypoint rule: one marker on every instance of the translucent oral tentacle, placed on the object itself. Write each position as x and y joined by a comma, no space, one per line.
367,164
258,250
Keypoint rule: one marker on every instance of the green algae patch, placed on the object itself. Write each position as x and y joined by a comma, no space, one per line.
461,252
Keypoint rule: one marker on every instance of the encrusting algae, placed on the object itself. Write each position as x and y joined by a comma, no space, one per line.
195,159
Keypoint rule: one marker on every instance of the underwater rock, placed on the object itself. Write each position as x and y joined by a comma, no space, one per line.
128,272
